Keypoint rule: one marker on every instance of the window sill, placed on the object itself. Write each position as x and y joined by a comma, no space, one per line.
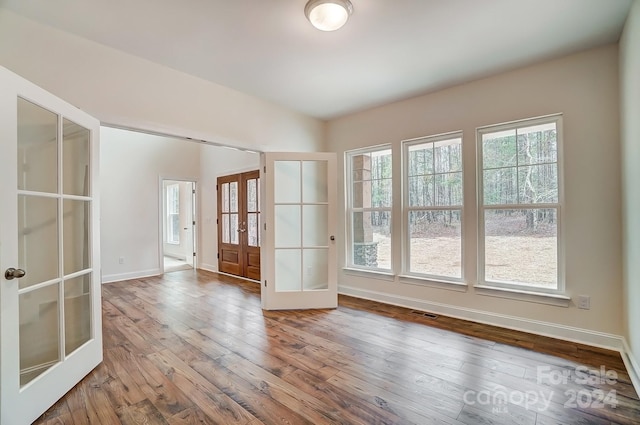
374,274
434,283
558,300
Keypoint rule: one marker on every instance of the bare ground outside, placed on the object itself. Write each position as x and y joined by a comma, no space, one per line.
523,258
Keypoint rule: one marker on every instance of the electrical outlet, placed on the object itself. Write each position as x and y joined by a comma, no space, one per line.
121,260
584,302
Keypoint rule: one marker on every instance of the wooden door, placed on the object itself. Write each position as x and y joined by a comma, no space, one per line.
51,316
238,224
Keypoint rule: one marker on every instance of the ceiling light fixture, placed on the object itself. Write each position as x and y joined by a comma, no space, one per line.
328,15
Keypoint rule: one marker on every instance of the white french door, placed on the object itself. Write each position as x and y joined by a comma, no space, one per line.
299,223
50,317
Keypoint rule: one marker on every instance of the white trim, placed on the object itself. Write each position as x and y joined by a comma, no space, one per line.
553,330
632,365
131,275
528,293
209,267
558,206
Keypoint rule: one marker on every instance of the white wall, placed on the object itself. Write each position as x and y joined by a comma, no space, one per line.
584,87
121,89
131,165
630,114
215,162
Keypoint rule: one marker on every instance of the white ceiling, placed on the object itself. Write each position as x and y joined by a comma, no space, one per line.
389,49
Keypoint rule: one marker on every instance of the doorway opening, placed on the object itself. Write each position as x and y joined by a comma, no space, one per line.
178,225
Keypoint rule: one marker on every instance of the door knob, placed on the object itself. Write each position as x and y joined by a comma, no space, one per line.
12,273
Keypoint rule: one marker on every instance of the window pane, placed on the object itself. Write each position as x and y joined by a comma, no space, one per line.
521,246
75,169
420,159
436,243
77,312
538,184
252,229
448,189
225,197
286,182
37,148
174,229
225,229
233,197
361,196
537,144
447,155
500,186
76,235
38,238
381,193
233,228
421,191
252,196
372,239
39,337
499,149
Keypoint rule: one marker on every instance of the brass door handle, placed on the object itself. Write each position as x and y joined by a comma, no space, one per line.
12,273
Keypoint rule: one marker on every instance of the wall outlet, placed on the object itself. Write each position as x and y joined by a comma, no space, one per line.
121,260
584,302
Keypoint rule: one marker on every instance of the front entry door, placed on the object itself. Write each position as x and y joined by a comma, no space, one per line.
299,257
238,224
50,315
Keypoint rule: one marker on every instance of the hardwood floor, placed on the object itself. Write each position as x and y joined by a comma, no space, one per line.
195,348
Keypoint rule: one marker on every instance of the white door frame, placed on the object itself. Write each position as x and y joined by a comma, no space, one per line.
195,229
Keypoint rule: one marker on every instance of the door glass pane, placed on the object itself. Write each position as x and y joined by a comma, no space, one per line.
252,196
37,239
287,182
314,181
225,197
39,339
233,197
287,226
77,312
314,227
76,235
233,228
37,148
75,156
225,228
288,269
316,269
252,229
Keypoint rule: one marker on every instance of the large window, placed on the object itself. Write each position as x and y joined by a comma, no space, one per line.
173,213
433,206
369,208
520,202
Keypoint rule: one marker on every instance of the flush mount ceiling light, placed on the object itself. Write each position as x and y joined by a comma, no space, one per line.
328,15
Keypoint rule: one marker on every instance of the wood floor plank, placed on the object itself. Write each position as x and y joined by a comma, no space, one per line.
194,347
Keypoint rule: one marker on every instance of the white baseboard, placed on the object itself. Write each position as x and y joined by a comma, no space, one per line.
553,330
208,267
131,275
632,364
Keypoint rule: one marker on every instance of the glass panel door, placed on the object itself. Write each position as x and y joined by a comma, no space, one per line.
299,256
51,316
